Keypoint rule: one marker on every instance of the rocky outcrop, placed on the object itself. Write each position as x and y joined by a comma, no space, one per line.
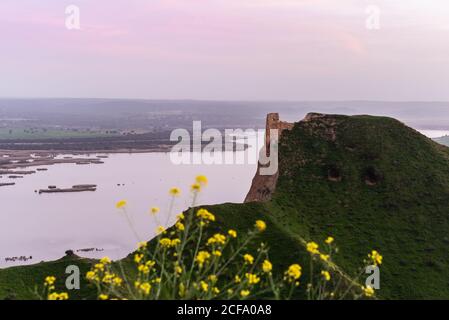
263,186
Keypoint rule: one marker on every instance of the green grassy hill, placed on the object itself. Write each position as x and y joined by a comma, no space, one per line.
371,182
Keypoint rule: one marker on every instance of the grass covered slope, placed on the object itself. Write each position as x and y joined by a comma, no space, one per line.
26,282
372,183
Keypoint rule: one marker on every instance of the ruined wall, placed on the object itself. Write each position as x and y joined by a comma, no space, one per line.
263,186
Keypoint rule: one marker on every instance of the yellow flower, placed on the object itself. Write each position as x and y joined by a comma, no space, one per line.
117,281
178,269
145,288
120,204
180,226
326,275
143,269
150,263
165,242
204,286
138,257
182,289
217,238
155,210
248,258
108,278
92,276
50,280
213,278
105,260
232,233
368,291
329,240
58,296
103,297
324,257
196,187
160,230
217,253
99,266
202,180
206,215
375,257
237,279
180,216
202,257
215,290
175,191
312,247
260,225
293,272
252,278
267,266
141,245
244,293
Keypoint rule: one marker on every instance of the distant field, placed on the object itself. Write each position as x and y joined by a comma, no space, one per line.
26,134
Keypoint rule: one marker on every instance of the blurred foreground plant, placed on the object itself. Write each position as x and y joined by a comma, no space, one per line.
191,261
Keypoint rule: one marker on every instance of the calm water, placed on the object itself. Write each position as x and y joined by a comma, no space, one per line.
45,226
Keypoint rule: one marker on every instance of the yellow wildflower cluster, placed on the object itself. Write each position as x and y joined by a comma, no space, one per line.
180,226
50,282
248,258
261,225
232,233
217,239
175,191
146,267
267,266
237,279
169,243
312,247
202,180
244,293
160,230
58,296
375,257
204,286
293,273
368,291
326,275
252,278
202,258
100,273
165,270
143,287
121,204
205,215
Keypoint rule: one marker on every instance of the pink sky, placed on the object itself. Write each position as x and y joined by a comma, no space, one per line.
226,49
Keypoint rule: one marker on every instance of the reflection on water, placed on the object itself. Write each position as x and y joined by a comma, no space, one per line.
45,226
434,133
